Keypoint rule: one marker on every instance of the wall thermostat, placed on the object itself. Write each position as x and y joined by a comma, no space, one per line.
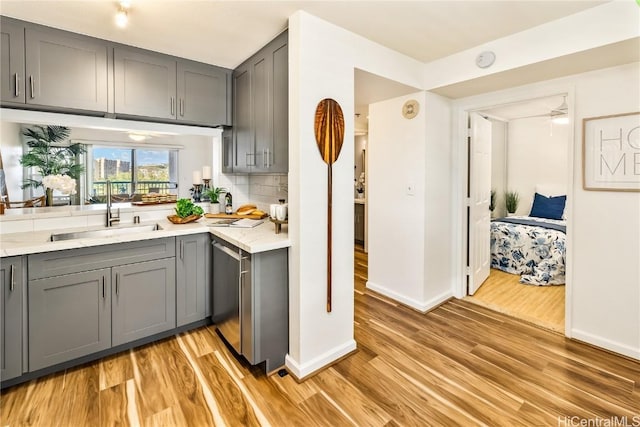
485,59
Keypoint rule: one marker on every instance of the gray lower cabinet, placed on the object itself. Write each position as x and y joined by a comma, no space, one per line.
260,116
144,300
193,278
82,301
69,317
12,62
251,300
11,306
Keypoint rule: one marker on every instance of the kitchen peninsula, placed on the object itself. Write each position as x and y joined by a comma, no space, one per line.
72,301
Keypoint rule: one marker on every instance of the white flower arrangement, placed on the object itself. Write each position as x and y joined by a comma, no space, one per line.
63,183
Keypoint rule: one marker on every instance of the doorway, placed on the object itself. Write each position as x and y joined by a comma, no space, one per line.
530,162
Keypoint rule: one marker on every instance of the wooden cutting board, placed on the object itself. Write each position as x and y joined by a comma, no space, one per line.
234,216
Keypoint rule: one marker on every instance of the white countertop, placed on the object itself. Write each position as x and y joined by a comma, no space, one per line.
259,239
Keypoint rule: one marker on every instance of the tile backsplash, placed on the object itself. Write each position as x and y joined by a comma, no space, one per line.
262,190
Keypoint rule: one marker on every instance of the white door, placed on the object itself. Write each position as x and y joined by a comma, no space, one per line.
480,198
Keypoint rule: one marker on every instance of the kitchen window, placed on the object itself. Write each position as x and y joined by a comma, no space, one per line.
132,172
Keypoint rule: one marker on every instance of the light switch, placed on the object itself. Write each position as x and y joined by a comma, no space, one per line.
411,189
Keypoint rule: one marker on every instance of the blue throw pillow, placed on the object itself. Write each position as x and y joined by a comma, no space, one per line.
548,207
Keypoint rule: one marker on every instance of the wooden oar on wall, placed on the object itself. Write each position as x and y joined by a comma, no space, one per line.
329,130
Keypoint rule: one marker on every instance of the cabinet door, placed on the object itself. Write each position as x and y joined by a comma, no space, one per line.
12,62
144,299
242,127
193,275
260,110
278,156
202,94
69,317
227,151
11,287
65,70
145,84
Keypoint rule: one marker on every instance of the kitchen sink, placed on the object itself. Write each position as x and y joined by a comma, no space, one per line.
106,232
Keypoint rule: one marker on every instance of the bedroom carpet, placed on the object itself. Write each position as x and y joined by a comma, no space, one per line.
540,305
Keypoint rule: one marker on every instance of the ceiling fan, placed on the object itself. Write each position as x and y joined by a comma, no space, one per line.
557,115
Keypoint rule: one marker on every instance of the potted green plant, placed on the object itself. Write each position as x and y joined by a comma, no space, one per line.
511,200
213,194
53,161
492,203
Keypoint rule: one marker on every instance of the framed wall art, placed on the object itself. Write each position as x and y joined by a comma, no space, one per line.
611,152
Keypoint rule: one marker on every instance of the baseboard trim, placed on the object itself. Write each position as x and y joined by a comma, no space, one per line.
304,370
423,306
605,344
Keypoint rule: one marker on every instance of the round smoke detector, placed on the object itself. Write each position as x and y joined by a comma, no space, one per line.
485,59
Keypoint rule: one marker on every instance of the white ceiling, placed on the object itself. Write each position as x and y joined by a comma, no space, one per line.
225,33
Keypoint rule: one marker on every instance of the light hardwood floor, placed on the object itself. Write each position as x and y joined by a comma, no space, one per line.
460,364
540,305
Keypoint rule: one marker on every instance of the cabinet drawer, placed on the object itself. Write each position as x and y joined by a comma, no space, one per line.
69,261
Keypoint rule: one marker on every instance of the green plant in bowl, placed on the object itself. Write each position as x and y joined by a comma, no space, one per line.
185,207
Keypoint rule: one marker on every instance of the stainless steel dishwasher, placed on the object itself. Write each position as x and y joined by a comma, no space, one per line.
232,296
250,302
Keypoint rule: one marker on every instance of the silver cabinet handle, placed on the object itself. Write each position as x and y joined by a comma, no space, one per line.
181,107
181,249
247,161
31,87
268,158
171,103
104,295
117,283
12,279
17,82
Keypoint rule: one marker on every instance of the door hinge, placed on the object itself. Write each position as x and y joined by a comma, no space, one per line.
468,132
468,201
468,270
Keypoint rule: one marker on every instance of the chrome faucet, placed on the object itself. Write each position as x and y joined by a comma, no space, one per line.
111,218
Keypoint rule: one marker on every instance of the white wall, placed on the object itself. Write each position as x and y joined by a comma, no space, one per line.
537,153
410,230
11,148
322,59
603,252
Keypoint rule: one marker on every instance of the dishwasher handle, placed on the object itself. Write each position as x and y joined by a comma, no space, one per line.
227,251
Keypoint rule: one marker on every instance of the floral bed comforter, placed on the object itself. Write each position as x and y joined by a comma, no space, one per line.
533,251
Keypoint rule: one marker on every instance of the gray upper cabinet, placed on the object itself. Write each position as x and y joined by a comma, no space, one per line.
65,70
160,87
11,288
53,69
260,119
144,299
69,317
244,153
228,151
12,62
193,273
202,94
145,84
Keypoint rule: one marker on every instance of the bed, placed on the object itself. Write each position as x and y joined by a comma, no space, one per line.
531,246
